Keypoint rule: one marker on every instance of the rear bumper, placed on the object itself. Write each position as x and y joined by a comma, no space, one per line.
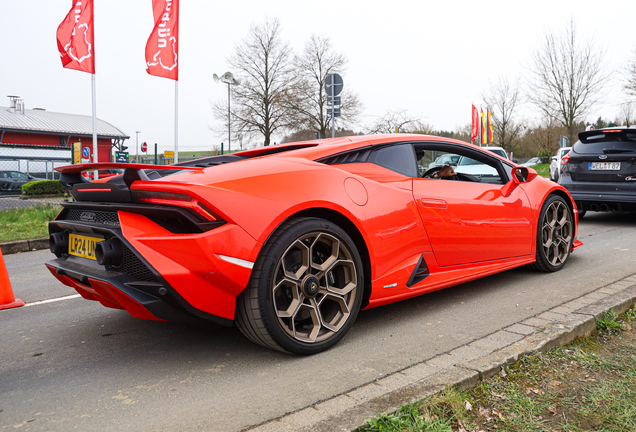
588,193
162,275
143,300
604,197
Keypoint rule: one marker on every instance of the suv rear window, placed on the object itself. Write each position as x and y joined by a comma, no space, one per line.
606,142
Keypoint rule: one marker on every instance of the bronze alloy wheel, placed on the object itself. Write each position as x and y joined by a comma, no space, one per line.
315,287
555,235
306,288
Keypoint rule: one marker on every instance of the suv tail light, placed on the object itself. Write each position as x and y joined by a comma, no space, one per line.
178,200
565,159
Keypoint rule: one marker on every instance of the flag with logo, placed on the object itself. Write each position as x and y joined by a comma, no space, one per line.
484,134
490,135
162,48
475,130
75,37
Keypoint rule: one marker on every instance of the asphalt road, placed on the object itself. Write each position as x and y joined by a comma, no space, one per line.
74,364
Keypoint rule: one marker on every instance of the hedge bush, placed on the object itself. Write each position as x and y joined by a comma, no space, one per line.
43,187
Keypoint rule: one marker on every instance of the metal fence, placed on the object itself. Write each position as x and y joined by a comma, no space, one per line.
19,166
22,164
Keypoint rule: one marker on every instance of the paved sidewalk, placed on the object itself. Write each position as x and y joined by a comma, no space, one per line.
24,246
464,367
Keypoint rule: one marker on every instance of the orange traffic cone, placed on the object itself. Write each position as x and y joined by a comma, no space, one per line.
7,299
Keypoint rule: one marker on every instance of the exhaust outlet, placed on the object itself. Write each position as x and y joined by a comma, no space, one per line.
604,207
109,252
58,243
594,207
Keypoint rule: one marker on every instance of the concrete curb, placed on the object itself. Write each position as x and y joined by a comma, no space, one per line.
24,246
464,367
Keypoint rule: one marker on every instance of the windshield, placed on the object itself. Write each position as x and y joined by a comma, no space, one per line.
499,152
468,161
605,147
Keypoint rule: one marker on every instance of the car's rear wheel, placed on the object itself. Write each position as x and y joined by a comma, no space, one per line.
555,234
305,290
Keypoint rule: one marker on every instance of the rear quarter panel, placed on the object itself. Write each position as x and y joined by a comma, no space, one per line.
260,194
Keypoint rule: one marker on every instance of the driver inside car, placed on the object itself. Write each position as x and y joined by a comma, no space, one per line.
446,172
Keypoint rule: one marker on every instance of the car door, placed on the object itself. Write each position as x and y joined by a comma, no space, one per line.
470,219
18,179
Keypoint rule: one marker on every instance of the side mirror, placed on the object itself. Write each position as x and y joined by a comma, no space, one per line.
554,158
519,175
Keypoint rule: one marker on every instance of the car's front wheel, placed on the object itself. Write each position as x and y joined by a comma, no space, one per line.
305,290
555,234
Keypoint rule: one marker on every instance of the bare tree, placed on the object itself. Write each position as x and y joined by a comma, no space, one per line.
626,114
502,99
317,61
629,74
260,104
542,138
566,77
399,121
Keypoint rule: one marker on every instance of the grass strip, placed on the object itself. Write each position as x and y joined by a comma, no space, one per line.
26,223
542,169
587,385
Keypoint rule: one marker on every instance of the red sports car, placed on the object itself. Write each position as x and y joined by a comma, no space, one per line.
291,241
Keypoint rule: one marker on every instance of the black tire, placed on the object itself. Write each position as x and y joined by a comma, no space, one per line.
298,299
555,234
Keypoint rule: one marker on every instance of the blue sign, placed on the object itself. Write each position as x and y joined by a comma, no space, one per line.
86,153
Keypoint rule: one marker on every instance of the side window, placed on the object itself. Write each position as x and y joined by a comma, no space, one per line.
457,163
398,158
19,175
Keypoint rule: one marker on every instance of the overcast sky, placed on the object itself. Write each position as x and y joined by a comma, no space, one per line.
430,58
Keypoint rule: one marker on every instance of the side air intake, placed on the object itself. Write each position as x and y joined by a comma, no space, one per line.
419,273
356,156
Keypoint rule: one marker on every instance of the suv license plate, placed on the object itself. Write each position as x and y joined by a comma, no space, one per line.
82,246
605,166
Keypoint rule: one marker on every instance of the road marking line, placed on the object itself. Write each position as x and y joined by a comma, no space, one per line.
53,300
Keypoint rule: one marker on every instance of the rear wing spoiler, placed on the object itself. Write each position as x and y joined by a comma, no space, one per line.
75,182
608,134
72,174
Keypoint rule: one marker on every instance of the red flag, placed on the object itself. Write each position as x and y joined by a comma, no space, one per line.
75,37
475,130
162,47
483,128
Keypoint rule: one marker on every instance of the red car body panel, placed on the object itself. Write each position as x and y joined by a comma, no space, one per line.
463,231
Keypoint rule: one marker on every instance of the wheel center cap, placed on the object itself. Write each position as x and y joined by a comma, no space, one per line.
311,286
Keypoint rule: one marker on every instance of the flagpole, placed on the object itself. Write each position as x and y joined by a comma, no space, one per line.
176,121
95,152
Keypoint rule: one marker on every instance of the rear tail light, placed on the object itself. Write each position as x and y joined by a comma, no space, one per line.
177,200
565,159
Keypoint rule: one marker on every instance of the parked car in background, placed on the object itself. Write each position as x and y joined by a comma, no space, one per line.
600,170
555,164
11,181
445,159
531,162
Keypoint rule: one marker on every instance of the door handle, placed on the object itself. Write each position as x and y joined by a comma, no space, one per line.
433,203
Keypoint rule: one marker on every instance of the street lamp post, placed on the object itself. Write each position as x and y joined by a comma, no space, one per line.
137,147
227,78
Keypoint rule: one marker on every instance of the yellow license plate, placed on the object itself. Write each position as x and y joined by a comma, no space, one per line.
82,246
